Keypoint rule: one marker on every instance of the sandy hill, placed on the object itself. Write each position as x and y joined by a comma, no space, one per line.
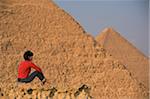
75,65
129,55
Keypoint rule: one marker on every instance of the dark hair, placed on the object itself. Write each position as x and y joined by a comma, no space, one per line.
27,54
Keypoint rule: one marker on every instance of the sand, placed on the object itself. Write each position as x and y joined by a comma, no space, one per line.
135,61
75,65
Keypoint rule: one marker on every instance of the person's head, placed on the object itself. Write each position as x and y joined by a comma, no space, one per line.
28,55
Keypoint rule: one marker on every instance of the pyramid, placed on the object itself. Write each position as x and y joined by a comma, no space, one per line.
129,55
75,65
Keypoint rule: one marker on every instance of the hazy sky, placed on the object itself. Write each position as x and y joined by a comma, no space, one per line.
128,17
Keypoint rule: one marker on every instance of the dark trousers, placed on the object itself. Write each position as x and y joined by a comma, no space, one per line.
31,77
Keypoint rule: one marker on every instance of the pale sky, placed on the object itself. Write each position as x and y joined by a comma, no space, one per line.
128,17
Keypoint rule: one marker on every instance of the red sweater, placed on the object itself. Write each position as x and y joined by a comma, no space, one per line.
25,68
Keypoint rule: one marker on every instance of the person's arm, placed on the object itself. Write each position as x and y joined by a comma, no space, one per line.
35,67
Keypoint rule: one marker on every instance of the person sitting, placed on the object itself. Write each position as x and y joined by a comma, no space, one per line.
24,70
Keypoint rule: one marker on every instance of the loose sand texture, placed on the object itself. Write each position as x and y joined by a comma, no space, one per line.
75,65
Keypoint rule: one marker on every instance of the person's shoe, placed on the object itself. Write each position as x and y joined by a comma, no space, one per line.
43,81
